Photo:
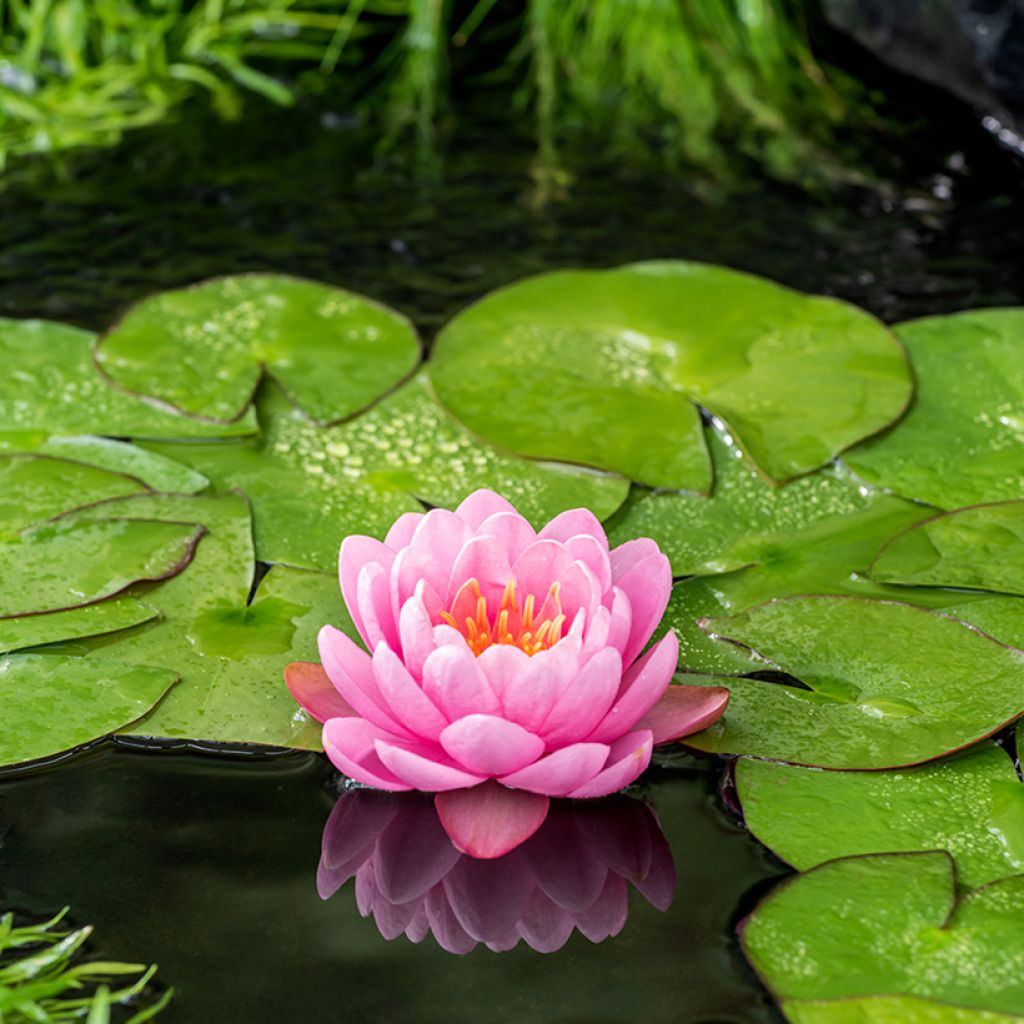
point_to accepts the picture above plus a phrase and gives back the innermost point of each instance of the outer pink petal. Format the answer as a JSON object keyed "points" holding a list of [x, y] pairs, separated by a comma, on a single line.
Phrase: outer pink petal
{"points": [[574, 522], [595, 636], [311, 687], [628, 758], [621, 621], [648, 584], [625, 556], [579, 590], [541, 564], [454, 681], [488, 745], [594, 555], [481, 504], [417, 633], [351, 671], [402, 530], [373, 594], [357, 551], [405, 698], [511, 529], [441, 535], [642, 687], [562, 772], [489, 820], [349, 743], [683, 710], [420, 768], [485, 560], [585, 701]]}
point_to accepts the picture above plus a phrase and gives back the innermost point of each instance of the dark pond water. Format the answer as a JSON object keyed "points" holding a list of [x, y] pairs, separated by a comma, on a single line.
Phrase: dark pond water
{"points": [[207, 865]]}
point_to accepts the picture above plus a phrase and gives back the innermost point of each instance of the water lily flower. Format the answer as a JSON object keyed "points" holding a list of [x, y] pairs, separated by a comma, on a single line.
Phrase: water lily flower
{"points": [[572, 874], [495, 652]]}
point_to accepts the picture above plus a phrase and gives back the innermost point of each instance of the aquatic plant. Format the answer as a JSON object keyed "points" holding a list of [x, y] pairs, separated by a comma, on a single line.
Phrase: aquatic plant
{"points": [[691, 83], [43, 979]]}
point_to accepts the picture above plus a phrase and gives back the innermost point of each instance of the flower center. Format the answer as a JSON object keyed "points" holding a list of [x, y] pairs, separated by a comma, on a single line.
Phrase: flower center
{"points": [[523, 627]]}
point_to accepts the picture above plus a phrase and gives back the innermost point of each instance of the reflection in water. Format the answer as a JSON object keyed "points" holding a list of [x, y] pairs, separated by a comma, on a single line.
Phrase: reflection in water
{"points": [[573, 873]]}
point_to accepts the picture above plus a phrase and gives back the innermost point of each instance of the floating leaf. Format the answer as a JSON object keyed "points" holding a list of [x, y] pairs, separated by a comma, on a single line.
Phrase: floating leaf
{"points": [[888, 1010], [891, 924], [38, 487], [49, 704], [961, 442], [91, 620], [887, 685], [544, 366], [981, 822], [78, 560], [745, 521], [203, 349], [156, 471], [977, 548], [50, 386], [312, 486]]}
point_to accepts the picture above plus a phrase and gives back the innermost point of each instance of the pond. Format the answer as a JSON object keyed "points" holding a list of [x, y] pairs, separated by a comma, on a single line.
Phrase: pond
{"points": [[205, 861]]}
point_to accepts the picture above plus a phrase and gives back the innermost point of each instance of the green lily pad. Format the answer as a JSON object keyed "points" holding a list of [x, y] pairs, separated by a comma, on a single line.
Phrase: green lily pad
{"points": [[891, 924], [745, 521], [977, 548], [203, 349], [980, 824], [82, 559], [229, 653], [156, 471], [311, 486], [38, 487], [961, 442], [888, 1010], [887, 685], [50, 704], [92, 620], [51, 386], [544, 366]]}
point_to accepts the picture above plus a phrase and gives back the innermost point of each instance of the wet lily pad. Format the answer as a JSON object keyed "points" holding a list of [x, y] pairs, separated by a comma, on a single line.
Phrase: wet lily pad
{"points": [[977, 548], [746, 520], [84, 558], [51, 386], [891, 924], [888, 1010], [544, 366], [962, 442], [49, 704], [884, 685], [203, 349], [92, 620], [311, 486], [971, 806]]}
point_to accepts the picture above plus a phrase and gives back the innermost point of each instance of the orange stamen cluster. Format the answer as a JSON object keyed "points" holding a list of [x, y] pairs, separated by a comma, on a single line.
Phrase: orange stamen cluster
{"points": [[523, 627]]}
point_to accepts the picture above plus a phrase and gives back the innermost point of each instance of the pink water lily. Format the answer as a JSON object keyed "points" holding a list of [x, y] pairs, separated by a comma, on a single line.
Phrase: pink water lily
{"points": [[500, 653]]}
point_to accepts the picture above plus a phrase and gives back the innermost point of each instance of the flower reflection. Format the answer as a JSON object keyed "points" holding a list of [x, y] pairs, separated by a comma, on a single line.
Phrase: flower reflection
{"points": [[574, 872]]}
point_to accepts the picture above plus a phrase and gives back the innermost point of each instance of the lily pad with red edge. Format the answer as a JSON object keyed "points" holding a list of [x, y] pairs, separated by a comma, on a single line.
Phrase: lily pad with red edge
{"points": [[975, 548], [202, 350], [109, 616], [980, 824], [888, 1010], [50, 703], [876, 684], [796, 378], [891, 924]]}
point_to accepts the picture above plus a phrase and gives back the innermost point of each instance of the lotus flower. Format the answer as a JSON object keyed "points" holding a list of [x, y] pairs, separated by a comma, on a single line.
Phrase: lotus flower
{"points": [[500, 653], [572, 874]]}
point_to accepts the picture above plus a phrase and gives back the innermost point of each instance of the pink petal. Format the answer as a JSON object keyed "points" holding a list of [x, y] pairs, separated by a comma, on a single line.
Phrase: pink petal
{"points": [[574, 522], [544, 562], [585, 701], [441, 535], [402, 530], [509, 528], [405, 699], [595, 636], [351, 671], [642, 687], [621, 621], [501, 663], [349, 743], [545, 926], [529, 695], [480, 505], [489, 820], [310, 686], [356, 552], [489, 745], [628, 758], [579, 590], [625, 556], [413, 853], [373, 595], [416, 630], [454, 681], [594, 555], [420, 768], [561, 772], [482, 559], [414, 569], [648, 585], [607, 916], [683, 710]]}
